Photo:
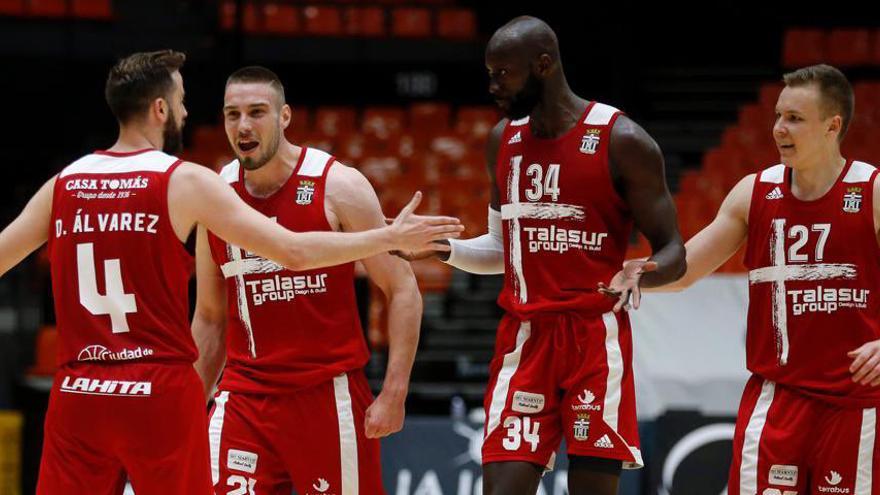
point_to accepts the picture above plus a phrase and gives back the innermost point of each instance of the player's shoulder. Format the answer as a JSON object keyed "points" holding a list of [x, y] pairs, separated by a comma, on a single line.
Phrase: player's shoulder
{"points": [[859, 171], [602, 114], [112, 162], [345, 179], [230, 172], [774, 174]]}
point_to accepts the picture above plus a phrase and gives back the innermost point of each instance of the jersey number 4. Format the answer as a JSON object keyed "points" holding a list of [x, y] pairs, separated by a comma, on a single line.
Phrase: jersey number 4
{"points": [[115, 302]]}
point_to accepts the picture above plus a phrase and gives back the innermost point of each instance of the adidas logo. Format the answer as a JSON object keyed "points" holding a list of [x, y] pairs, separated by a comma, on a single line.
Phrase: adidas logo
{"points": [[776, 193], [604, 443], [517, 138]]}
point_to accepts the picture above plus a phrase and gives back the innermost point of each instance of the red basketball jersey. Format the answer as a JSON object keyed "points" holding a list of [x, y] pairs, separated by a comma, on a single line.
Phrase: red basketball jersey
{"points": [[119, 272], [814, 270], [565, 227], [288, 330]]}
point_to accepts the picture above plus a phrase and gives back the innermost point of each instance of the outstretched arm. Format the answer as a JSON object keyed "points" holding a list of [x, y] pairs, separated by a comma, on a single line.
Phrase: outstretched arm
{"points": [[29, 230], [718, 241], [198, 195], [638, 171]]}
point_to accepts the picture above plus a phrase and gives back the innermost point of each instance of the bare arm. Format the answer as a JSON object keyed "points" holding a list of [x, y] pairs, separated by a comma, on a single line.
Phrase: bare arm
{"points": [[492, 145], [637, 166], [29, 230], [866, 358], [209, 319], [354, 201], [198, 195], [719, 240]]}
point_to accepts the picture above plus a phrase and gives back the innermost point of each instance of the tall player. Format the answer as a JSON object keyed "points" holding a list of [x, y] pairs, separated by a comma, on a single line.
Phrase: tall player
{"points": [[126, 400], [294, 410], [808, 418], [569, 178]]}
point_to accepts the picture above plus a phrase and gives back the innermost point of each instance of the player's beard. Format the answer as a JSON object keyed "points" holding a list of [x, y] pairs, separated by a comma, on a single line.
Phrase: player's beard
{"points": [[522, 103], [269, 149], [172, 135]]}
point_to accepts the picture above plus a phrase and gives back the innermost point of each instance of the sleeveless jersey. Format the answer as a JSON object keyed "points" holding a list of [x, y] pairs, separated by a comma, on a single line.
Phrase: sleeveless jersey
{"points": [[119, 272], [814, 270], [288, 330], [565, 227]]}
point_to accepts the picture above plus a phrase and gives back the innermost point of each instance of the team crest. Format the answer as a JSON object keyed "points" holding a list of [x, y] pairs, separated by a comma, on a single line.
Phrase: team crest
{"points": [[590, 141], [582, 427], [852, 200], [304, 192]]}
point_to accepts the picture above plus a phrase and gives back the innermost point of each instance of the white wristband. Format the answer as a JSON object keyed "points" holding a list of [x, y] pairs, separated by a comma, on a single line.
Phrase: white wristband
{"points": [[483, 255]]}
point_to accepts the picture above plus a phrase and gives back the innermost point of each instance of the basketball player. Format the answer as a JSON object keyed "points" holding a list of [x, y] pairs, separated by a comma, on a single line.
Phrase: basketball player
{"points": [[294, 410], [807, 422], [569, 178], [126, 400]]}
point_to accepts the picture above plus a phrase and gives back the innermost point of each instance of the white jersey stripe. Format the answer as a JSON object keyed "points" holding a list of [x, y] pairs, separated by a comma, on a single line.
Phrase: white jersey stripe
{"points": [[215, 434], [864, 467], [542, 211], [502, 386], [314, 162], [859, 172], [348, 451], [149, 161], [773, 175], [748, 469], [610, 410], [600, 114], [249, 266], [819, 271], [229, 172], [519, 282], [244, 312]]}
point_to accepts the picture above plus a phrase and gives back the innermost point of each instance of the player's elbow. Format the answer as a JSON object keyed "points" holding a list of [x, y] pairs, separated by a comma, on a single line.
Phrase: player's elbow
{"points": [[680, 266], [295, 258], [405, 293]]}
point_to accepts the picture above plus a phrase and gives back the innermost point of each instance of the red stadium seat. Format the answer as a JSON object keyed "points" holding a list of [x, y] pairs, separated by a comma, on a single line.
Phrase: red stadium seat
{"points": [[867, 94], [279, 18], [382, 122], [251, 19], [323, 21], [803, 47], [300, 122], [875, 47], [92, 9], [226, 15], [411, 22], [429, 118], [334, 121], [849, 47], [12, 7], [769, 94], [476, 123], [365, 21], [755, 115], [47, 8], [460, 24]]}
